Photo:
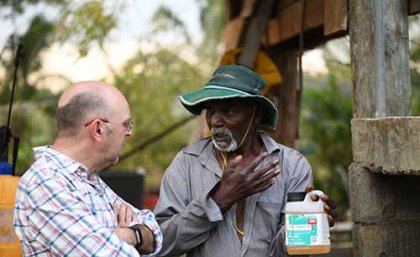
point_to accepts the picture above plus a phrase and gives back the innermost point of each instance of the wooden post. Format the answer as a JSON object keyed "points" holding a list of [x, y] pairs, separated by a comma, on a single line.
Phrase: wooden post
{"points": [[379, 53], [253, 32], [385, 209], [285, 97]]}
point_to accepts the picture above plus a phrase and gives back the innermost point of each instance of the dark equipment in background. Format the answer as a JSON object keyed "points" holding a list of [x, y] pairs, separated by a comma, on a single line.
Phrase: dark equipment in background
{"points": [[127, 184], [5, 133]]}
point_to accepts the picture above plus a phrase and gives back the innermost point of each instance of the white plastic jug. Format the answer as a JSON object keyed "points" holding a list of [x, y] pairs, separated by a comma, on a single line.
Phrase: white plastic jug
{"points": [[307, 228]]}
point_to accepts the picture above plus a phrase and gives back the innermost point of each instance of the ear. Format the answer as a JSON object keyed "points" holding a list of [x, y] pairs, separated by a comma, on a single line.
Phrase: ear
{"points": [[97, 130]]}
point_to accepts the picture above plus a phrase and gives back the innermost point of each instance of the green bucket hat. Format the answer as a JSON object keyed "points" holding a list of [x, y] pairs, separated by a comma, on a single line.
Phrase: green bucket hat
{"points": [[232, 81]]}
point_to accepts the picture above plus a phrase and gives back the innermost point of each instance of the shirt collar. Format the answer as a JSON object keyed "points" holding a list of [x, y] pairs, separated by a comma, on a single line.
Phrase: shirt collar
{"points": [[61, 160], [270, 144]]}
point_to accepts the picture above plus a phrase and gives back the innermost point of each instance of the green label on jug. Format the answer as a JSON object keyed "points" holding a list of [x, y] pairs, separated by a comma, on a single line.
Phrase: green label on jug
{"points": [[306, 230]]}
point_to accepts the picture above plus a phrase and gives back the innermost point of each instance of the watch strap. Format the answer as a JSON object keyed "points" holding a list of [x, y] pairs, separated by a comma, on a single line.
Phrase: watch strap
{"points": [[139, 238]]}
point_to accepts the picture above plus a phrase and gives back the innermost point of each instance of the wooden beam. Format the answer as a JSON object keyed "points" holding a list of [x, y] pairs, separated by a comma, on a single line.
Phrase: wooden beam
{"points": [[227, 11], [233, 8], [232, 33], [335, 19], [413, 6], [287, 25], [253, 32], [284, 4], [247, 8]]}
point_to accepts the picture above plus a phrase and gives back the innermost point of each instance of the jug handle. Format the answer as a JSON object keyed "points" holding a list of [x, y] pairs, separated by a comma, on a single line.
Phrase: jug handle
{"points": [[311, 193]]}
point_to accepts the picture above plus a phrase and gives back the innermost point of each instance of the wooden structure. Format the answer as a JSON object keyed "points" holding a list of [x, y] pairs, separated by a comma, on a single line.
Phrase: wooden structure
{"points": [[385, 209], [283, 29]]}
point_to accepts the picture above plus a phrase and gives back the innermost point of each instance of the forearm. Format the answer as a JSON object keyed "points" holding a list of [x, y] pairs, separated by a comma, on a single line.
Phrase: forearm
{"points": [[147, 238], [150, 230], [189, 228], [126, 235]]}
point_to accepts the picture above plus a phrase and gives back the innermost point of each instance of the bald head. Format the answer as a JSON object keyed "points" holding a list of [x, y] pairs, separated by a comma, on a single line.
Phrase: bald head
{"points": [[101, 89], [85, 100]]}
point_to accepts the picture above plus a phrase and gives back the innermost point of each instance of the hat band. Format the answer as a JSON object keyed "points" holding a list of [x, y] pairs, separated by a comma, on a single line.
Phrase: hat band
{"points": [[230, 89]]}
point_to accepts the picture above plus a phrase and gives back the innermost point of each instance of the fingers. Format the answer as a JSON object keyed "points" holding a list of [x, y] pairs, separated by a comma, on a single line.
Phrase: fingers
{"points": [[263, 186], [239, 181], [116, 209], [265, 170], [309, 188], [231, 166], [124, 215], [258, 180], [236, 161], [331, 220], [254, 163], [128, 215], [328, 201], [329, 206], [264, 179]]}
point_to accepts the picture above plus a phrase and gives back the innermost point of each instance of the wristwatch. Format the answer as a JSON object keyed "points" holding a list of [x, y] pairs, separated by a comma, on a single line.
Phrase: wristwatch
{"points": [[139, 238]]}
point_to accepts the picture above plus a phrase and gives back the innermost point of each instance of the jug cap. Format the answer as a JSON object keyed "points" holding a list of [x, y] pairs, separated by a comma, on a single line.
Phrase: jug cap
{"points": [[296, 196]]}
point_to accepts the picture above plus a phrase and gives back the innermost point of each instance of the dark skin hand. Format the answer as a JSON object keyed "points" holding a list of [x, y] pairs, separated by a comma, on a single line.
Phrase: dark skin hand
{"points": [[329, 206], [238, 183]]}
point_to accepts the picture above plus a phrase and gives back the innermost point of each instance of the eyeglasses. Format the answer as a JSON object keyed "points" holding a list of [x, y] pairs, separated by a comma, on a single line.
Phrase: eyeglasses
{"points": [[127, 125]]}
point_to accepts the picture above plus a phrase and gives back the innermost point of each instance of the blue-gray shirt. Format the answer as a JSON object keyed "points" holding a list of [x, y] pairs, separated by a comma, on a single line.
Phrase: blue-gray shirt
{"points": [[192, 223]]}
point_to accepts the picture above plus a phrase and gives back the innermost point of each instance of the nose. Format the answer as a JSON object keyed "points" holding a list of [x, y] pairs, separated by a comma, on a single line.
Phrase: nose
{"points": [[128, 133], [216, 119]]}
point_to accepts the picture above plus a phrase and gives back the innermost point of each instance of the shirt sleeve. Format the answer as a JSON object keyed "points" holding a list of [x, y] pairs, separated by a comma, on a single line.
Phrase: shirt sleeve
{"points": [[145, 217], [59, 218], [184, 223]]}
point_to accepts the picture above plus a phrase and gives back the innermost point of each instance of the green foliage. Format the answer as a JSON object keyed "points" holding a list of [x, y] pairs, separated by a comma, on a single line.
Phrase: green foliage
{"points": [[151, 83], [326, 135], [211, 18], [34, 126], [35, 40], [34, 108], [165, 20], [18, 6], [415, 67], [85, 24], [158, 79], [415, 82], [31, 110]]}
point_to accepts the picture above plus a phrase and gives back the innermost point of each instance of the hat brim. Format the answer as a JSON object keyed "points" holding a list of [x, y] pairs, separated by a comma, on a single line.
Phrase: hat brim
{"points": [[194, 101]]}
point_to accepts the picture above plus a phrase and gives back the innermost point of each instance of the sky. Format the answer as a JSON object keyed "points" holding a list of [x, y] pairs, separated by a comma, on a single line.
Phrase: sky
{"points": [[134, 24]]}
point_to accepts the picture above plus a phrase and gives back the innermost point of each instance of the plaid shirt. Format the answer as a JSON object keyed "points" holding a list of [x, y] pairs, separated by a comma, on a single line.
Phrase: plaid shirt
{"points": [[62, 210]]}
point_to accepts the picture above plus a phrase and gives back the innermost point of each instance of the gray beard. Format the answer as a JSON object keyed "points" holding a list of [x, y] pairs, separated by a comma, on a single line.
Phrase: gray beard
{"points": [[224, 148]]}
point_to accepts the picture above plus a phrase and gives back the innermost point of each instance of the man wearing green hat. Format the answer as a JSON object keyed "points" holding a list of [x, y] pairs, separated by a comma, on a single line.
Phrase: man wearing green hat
{"points": [[224, 195]]}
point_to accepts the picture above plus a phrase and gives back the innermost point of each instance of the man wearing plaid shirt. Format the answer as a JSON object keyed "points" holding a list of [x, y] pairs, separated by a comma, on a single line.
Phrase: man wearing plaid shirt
{"points": [[63, 208]]}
